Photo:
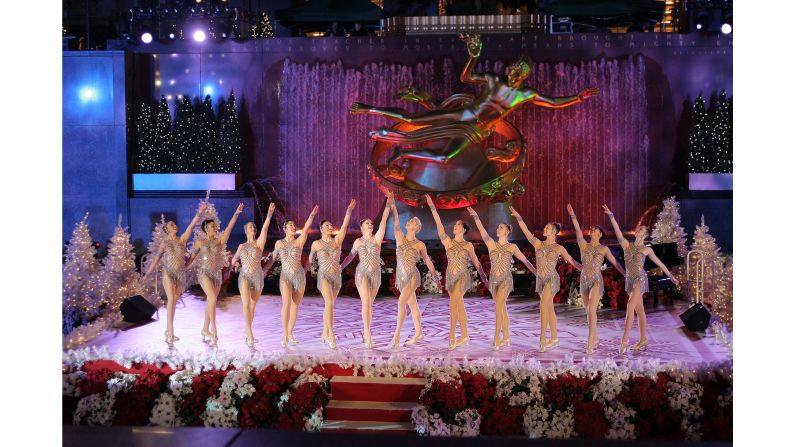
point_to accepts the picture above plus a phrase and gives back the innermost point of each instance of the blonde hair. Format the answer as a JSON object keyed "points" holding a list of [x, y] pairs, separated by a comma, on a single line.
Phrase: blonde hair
{"points": [[419, 222]]}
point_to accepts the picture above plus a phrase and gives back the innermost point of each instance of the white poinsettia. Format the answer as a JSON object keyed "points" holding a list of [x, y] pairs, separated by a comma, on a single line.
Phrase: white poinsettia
{"points": [[536, 421], [467, 423], [620, 418], [95, 409], [164, 412], [181, 382], [121, 381], [314, 421], [562, 425], [70, 385]]}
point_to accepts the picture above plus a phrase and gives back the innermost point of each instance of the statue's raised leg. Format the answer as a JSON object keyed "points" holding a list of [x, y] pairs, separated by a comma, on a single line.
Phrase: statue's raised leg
{"points": [[454, 147]]}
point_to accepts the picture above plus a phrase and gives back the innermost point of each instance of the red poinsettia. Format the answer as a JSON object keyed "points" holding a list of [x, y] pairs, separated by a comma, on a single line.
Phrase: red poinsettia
{"points": [[445, 398], [655, 418], [477, 389], [566, 389], [498, 418], [590, 420], [95, 381], [133, 406], [259, 410], [204, 386], [303, 401]]}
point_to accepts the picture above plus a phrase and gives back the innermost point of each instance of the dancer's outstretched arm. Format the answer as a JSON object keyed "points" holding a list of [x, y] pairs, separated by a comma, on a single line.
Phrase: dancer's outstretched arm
{"points": [[476, 263], [269, 264], [396, 224], [347, 220], [263, 233], [307, 226], [609, 256], [534, 241], [231, 224], [429, 263], [521, 257], [351, 255], [154, 263], [656, 260], [619, 234], [439, 227], [379, 235], [189, 229], [236, 257], [312, 254], [567, 257], [577, 229], [483, 233]]}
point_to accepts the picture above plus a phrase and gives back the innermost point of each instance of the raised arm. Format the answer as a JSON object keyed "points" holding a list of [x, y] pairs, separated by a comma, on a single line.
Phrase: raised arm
{"points": [[483, 233], [474, 45], [307, 225], [231, 224], [379, 235], [429, 263], [577, 229], [562, 101], [439, 227], [347, 220], [189, 229], [567, 257], [263, 233], [351, 255], [611, 259], [659, 263], [619, 234], [527, 233], [476, 263], [396, 224], [522, 258]]}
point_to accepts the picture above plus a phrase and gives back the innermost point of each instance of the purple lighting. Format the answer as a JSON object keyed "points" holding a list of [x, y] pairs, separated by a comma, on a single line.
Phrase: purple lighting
{"points": [[199, 36]]}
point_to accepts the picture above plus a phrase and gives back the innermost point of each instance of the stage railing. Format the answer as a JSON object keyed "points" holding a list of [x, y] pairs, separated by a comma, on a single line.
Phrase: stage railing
{"points": [[696, 292], [493, 24]]}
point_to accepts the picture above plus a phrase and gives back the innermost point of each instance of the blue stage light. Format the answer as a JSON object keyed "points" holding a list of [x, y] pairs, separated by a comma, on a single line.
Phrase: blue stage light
{"points": [[88, 94], [146, 37], [199, 36]]}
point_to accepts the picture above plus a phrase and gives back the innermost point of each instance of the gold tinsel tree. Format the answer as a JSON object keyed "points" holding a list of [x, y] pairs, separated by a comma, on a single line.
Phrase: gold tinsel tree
{"points": [[118, 278]]}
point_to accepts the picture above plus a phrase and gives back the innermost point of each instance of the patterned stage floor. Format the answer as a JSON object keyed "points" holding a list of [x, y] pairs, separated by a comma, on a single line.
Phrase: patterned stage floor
{"points": [[668, 339]]}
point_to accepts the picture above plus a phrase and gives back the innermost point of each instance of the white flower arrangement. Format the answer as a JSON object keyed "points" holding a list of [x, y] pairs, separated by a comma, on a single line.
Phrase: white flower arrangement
{"points": [[164, 413], [69, 383], [686, 397], [314, 421], [429, 284], [620, 418], [95, 409]]}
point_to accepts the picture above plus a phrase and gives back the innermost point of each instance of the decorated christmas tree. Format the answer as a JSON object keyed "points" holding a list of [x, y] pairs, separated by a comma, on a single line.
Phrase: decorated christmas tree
{"points": [[701, 154], [147, 152], [162, 139], [183, 143], [205, 151], [119, 279], [722, 134], [229, 143], [80, 269], [723, 303], [667, 229], [263, 27], [708, 251], [153, 289]]}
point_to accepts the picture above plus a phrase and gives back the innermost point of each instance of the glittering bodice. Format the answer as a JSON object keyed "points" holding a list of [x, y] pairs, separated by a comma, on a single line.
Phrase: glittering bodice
{"points": [[211, 255], [290, 256], [634, 260], [369, 254], [592, 260], [173, 255], [250, 258], [457, 256], [547, 259], [501, 260], [328, 256]]}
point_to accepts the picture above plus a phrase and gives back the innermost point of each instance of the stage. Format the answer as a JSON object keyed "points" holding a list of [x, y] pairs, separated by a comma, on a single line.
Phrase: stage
{"points": [[668, 339]]}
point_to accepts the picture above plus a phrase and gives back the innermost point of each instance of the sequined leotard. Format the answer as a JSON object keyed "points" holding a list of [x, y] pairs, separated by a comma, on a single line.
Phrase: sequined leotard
{"points": [[328, 259], [292, 272], [546, 260], [250, 267], [408, 253], [369, 263], [457, 265], [174, 263], [634, 260], [591, 274], [500, 275], [211, 260]]}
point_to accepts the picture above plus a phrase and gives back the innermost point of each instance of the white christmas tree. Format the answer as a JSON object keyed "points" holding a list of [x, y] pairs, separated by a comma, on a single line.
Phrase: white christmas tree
{"points": [[80, 272], [708, 251], [667, 229], [118, 278], [153, 291]]}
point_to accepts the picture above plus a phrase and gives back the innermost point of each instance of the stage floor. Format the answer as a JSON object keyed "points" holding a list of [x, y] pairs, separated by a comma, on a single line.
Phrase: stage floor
{"points": [[668, 339]]}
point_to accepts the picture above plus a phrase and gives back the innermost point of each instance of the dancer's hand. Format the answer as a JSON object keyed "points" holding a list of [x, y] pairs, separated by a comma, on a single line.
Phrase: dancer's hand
{"points": [[515, 213], [430, 201], [472, 212], [570, 209], [271, 209], [588, 93], [486, 283], [239, 208], [351, 206], [314, 211], [675, 281], [202, 208], [607, 210]]}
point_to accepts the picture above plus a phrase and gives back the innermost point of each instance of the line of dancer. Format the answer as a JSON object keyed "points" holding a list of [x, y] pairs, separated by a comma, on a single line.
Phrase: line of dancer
{"points": [[460, 255]]}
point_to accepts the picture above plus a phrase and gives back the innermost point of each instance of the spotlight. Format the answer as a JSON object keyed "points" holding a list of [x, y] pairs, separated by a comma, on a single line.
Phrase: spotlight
{"points": [[702, 21], [223, 35], [146, 37], [88, 94], [699, 26], [726, 27], [199, 36], [170, 35]]}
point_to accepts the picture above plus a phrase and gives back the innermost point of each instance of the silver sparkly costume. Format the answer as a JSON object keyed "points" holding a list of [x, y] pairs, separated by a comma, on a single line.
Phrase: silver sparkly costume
{"points": [[292, 272], [500, 276], [251, 275], [211, 260], [457, 265], [634, 260], [174, 263], [591, 274], [369, 263], [408, 253], [328, 259], [546, 260]]}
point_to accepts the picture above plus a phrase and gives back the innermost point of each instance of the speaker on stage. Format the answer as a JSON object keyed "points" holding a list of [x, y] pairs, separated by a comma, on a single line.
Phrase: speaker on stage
{"points": [[136, 309], [696, 318]]}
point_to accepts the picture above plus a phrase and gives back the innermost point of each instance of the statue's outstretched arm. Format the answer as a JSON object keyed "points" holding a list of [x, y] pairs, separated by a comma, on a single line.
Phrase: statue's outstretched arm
{"points": [[562, 101], [474, 45]]}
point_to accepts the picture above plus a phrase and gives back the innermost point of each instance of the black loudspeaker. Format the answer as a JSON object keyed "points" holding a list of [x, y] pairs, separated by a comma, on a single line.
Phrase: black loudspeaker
{"points": [[136, 309], [696, 318]]}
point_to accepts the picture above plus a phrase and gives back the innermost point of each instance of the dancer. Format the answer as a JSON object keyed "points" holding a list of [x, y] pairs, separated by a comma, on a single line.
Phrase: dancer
{"points": [[251, 278], [172, 252], [637, 282], [501, 254], [547, 278], [329, 272], [211, 252], [407, 277], [457, 274], [368, 272], [292, 278], [592, 285]]}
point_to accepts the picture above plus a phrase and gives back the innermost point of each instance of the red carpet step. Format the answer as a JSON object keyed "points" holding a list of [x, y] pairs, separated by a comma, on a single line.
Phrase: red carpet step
{"points": [[380, 404]]}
